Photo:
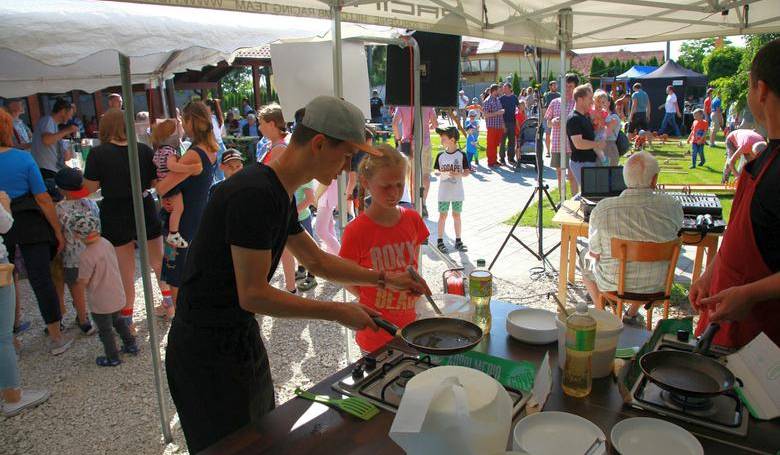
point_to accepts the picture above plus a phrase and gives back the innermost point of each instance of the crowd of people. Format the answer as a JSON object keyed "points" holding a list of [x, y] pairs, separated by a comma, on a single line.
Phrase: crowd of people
{"points": [[225, 221]]}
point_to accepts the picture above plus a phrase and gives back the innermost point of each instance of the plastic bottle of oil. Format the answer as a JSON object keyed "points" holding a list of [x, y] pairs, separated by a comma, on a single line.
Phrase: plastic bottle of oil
{"points": [[480, 292], [580, 341]]}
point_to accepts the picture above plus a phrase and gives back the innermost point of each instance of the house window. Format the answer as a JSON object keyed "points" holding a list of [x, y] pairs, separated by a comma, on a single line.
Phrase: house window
{"points": [[478, 66]]}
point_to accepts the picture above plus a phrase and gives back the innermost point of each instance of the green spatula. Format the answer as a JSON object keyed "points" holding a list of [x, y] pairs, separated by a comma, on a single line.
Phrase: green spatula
{"points": [[358, 407]]}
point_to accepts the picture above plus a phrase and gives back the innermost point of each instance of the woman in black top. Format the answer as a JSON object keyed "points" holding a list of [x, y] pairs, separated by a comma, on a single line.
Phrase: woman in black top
{"points": [[196, 120], [108, 168]]}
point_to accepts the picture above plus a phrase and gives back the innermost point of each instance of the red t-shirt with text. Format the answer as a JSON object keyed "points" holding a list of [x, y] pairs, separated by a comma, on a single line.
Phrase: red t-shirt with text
{"points": [[389, 249]]}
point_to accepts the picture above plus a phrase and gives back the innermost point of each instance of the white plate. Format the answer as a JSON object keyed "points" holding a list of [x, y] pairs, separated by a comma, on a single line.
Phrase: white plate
{"points": [[555, 432], [532, 325], [648, 436]]}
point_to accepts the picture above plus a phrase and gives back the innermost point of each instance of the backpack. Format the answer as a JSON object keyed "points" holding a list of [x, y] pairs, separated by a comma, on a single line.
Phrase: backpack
{"points": [[622, 143]]}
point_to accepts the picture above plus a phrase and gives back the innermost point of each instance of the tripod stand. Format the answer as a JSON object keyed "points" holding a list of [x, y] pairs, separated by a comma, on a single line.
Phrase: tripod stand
{"points": [[540, 191]]}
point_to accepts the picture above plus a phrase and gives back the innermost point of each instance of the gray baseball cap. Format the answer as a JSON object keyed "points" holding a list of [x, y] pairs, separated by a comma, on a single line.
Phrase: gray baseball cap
{"points": [[338, 119]]}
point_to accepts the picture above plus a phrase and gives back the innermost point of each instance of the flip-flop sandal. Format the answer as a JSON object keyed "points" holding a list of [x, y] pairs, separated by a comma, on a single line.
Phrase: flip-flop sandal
{"points": [[104, 361]]}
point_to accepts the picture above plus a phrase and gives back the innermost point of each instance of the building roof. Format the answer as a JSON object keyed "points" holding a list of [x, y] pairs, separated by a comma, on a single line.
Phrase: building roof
{"points": [[259, 52], [582, 62]]}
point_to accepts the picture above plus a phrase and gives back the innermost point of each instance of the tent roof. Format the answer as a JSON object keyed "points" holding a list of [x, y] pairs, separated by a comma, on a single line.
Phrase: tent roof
{"points": [[596, 22], [672, 70], [636, 71], [160, 41]]}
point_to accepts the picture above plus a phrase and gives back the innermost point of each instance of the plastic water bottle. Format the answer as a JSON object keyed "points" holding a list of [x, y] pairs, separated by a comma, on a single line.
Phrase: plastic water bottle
{"points": [[480, 292], [580, 342]]}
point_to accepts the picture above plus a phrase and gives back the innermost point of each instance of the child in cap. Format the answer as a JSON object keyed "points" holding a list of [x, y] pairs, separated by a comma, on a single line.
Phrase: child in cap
{"points": [[167, 152], [231, 162], [471, 125], [451, 165], [385, 237], [70, 182], [99, 273]]}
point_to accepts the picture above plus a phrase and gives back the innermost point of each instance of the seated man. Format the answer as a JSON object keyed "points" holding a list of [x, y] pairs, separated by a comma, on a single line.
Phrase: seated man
{"points": [[641, 214]]}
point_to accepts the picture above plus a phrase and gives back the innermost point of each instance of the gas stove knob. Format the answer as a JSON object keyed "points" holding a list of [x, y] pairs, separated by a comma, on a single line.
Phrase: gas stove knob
{"points": [[357, 373], [370, 363]]}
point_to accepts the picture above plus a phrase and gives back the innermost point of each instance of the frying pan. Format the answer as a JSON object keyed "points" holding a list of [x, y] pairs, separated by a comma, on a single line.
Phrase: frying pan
{"points": [[440, 336], [689, 373]]}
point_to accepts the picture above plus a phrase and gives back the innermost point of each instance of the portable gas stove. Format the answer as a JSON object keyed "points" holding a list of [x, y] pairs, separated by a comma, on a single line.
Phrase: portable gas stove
{"points": [[724, 412], [382, 379]]}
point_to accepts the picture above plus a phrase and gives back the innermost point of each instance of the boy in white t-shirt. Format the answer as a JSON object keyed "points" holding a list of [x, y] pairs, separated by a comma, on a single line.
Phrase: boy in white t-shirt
{"points": [[451, 166], [99, 273]]}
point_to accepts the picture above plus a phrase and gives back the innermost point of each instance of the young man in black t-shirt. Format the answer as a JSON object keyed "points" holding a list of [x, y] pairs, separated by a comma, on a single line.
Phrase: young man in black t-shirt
{"points": [[579, 129], [376, 107], [217, 367]]}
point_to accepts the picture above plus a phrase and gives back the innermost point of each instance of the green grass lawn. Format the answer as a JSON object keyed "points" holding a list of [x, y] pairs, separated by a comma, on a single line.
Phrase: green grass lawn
{"points": [[675, 160]]}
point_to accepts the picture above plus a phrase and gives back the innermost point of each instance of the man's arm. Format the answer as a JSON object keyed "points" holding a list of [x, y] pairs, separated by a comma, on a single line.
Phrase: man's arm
{"points": [[334, 268], [584, 144], [256, 295], [736, 302], [51, 138]]}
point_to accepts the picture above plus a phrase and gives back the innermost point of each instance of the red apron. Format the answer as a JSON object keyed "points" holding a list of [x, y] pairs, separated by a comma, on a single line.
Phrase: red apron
{"points": [[739, 262]]}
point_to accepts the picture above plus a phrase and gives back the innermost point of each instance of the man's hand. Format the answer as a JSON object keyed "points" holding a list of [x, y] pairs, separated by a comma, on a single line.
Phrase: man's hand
{"points": [[556, 121], [356, 316], [601, 145], [403, 281], [60, 241], [700, 290], [731, 304], [72, 129]]}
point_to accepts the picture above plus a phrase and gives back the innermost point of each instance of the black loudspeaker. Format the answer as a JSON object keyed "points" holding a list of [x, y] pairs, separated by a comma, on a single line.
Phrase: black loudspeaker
{"points": [[439, 71]]}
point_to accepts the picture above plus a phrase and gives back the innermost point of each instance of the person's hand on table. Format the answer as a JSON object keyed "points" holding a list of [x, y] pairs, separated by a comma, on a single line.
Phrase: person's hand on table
{"points": [[731, 304], [404, 281], [72, 129], [356, 316]]}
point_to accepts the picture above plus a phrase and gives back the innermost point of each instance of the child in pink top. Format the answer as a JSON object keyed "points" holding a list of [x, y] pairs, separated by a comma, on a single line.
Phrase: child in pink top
{"points": [[385, 237]]}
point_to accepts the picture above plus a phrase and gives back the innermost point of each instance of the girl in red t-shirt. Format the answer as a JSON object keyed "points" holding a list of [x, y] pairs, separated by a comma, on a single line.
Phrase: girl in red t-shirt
{"points": [[384, 237]]}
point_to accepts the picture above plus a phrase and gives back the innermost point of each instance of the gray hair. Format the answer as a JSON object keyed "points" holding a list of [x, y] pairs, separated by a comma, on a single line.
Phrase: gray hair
{"points": [[639, 170], [251, 117]]}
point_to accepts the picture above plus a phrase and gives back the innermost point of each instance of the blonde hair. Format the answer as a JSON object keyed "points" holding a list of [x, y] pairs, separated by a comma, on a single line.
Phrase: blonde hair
{"points": [[112, 126], [390, 158], [699, 111], [165, 133], [273, 113], [600, 95]]}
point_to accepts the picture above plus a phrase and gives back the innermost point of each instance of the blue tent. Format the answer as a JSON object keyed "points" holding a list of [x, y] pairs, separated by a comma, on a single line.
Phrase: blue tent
{"points": [[635, 72]]}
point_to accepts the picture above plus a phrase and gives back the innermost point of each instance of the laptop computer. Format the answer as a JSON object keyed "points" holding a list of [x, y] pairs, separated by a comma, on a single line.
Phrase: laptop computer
{"points": [[598, 183]]}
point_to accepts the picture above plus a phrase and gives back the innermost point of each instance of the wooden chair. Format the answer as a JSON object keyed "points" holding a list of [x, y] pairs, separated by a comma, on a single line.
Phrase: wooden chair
{"points": [[626, 251]]}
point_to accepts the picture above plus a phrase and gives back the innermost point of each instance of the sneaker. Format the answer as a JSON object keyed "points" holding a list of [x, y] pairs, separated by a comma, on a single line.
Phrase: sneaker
{"points": [[691, 167], [175, 240], [502, 161], [104, 361], [22, 327], [59, 346], [86, 328], [307, 284], [636, 320], [30, 399], [300, 275], [130, 349], [442, 247], [461, 247]]}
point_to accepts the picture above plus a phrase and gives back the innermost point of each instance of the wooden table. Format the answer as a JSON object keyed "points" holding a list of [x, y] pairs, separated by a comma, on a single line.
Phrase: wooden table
{"points": [[302, 427], [573, 225]]}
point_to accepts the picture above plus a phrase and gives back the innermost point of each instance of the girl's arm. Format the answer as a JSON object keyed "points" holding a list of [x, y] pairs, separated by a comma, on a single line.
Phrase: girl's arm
{"points": [[307, 201]]}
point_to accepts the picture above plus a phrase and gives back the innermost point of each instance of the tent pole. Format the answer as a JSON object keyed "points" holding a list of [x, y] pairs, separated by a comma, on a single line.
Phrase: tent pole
{"points": [[564, 30], [161, 88], [140, 229], [341, 180]]}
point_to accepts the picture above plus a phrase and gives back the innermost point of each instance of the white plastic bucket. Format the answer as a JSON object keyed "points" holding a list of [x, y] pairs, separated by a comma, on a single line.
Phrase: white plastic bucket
{"points": [[608, 329]]}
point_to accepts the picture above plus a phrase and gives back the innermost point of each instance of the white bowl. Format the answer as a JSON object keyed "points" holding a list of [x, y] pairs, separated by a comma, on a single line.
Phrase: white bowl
{"points": [[553, 432], [648, 436], [532, 325]]}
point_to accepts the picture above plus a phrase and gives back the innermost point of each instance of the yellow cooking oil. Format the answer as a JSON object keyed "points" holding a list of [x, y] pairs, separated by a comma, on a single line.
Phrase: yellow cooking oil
{"points": [[580, 342], [480, 292]]}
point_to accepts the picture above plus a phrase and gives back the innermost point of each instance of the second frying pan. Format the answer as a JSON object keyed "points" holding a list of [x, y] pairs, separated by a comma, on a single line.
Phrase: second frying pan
{"points": [[440, 336]]}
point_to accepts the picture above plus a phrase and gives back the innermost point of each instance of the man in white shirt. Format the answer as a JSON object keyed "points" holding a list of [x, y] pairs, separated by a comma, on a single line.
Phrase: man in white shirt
{"points": [[22, 133], [463, 101], [672, 112], [639, 213]]}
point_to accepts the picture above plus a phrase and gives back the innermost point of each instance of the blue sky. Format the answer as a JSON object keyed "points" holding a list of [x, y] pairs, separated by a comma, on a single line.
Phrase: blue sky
{"points": [[738, 40]]}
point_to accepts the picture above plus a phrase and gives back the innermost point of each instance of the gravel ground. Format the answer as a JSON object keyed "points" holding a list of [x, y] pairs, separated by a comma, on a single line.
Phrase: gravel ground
{"points": [[114, 410]]}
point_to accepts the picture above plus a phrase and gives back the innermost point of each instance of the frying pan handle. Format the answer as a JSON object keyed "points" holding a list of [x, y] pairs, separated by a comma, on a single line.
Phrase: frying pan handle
{"points": [[703, 346], [388, 326]]}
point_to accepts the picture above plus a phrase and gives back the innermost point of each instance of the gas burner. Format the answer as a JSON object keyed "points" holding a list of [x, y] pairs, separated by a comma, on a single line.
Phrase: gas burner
{"points": [[686, 402], [399, 385]]}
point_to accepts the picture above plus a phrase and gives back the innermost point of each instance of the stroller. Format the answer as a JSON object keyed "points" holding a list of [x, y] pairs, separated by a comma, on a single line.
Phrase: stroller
{"points": [[526, 142]]}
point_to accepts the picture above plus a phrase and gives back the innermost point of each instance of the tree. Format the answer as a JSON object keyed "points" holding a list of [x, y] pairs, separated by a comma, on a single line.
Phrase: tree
{"points": [[597, 67], [652, 62], [516, 83], [377, 58], [722, 62], [735, 87], [692, 53]]}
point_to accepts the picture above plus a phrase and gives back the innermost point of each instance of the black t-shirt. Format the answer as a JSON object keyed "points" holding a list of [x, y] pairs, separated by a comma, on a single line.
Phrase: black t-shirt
{"points": [[376, 106], [579, 124], [252, 210], [509, 103], [109, 164], [765, 206]]}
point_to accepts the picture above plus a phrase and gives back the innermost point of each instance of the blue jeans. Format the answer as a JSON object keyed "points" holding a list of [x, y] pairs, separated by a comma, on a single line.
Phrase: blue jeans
{"points": [[218, 174], [576, 169], [9, 371], [697, 149], [670, 119]]}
